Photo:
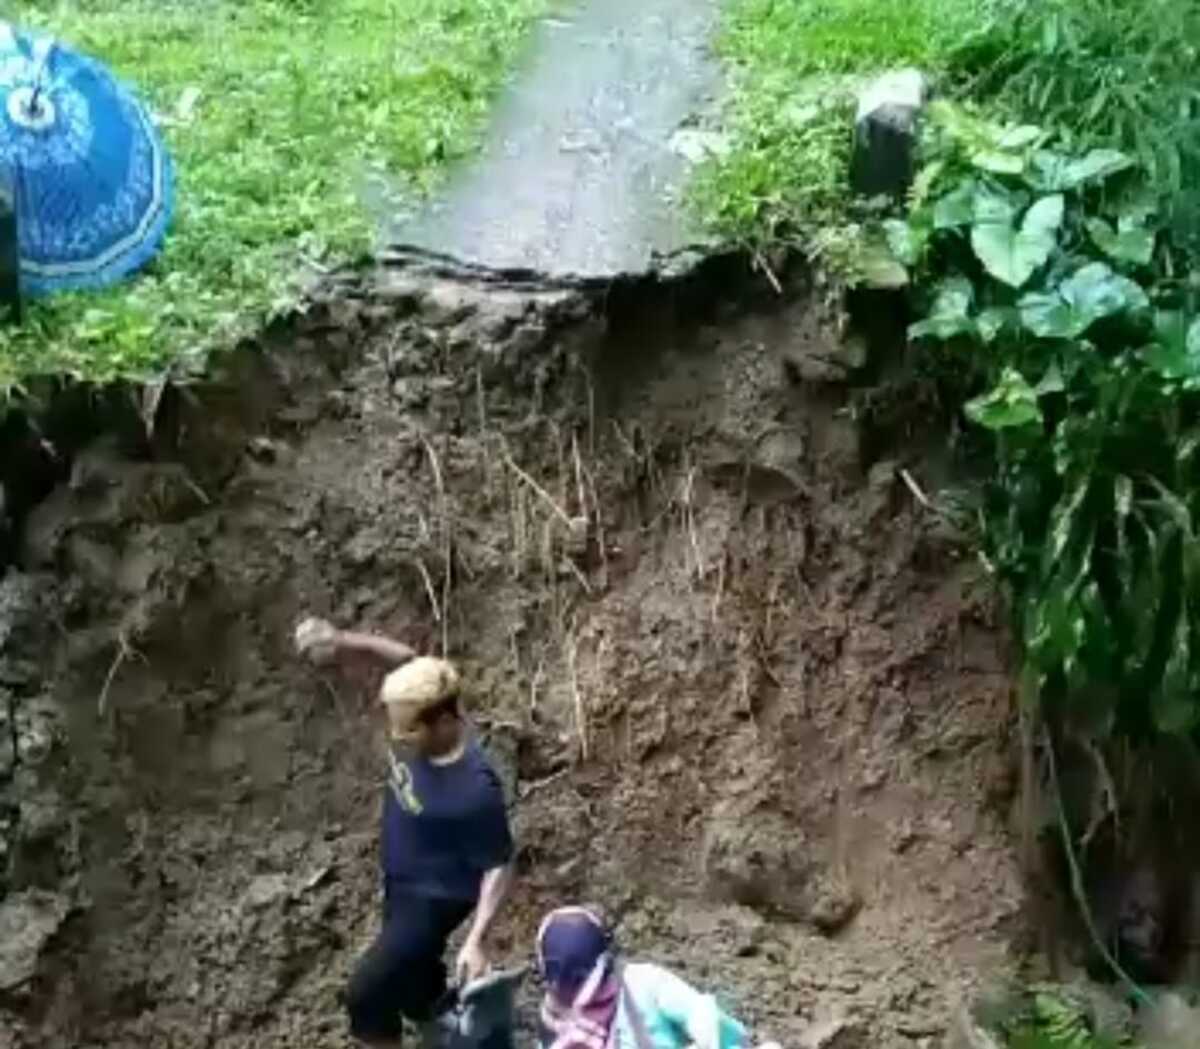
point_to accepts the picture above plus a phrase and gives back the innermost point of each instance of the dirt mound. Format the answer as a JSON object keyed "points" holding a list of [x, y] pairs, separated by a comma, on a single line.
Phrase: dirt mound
{"points": [[749, 695]]}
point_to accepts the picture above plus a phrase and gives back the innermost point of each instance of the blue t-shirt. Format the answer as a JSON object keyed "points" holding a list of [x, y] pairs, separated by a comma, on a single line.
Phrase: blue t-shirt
{"points": [[444, 826]]}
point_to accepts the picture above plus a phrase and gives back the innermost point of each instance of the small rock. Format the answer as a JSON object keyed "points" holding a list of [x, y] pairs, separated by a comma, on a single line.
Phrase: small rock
{"points": [[758, 859], [37, 732], [834, 1031], [834, 905], [398, 289], [447, 302], [902, 837], [28, 920], [1170, 1023], [873, 777], [264, 449], [410, 393], [885, 131], [265, 890], [882, 476]]}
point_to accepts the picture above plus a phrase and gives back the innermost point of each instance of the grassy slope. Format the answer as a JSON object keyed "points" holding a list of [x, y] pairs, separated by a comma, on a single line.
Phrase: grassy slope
{"points": [[297, 100], [789, 109]]}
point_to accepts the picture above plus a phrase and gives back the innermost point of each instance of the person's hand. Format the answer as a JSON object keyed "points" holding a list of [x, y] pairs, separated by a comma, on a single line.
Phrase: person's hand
{"points": [[316, 639], [472, 963]]}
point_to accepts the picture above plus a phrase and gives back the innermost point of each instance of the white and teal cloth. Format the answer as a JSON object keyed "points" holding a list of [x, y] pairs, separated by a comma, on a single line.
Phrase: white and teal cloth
{"points": [[658, 1010]]}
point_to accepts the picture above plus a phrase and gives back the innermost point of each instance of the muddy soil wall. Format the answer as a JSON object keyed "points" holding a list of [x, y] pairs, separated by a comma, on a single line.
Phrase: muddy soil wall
{"points": [[748, 693]]}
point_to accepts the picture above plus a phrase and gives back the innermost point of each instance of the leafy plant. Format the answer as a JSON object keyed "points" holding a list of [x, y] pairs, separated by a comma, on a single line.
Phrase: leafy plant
{"points": [[1052, 1021], [795, 65], [1058, 287], [1116, 72]]}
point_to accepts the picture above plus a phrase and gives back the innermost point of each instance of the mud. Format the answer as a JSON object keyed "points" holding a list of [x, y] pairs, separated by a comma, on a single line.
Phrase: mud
{"points": [[749, 694]]}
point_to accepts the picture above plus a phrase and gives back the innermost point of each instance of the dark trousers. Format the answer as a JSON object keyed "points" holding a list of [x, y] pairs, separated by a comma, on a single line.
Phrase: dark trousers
{"points": [[403, 974]]}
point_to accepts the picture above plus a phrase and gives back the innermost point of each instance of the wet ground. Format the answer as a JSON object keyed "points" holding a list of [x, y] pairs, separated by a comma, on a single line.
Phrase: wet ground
{"points": [[579, 176], [760, 713]]}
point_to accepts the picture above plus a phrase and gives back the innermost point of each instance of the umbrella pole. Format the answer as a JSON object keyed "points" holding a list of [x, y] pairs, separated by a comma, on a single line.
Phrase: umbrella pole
{"points": [[10, 257]]}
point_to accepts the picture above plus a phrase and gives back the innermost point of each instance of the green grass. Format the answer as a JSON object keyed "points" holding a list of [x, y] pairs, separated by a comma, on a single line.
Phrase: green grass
{"points": [[1118, 73], [299, 99], [790, 108]]}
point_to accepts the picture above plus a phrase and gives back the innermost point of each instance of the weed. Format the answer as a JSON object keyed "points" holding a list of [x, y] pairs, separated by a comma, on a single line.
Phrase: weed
{"points": [[276, 112], [1110, 72], [1051, 1020], [795, 65]]}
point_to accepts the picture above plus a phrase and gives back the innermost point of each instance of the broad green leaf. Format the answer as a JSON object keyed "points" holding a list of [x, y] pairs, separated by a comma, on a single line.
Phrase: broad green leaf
{"points": [[956, 208], [990, 147], [990, 204], [1049, 317], [1056, 172], [1128, 243], [1013, 255], [950, 313], [1011, 403], [1004, 150], [1097, 291], [1175, 353], [1088, 295], [1020, 137], [1052, 381], [1054, 631], [992, 321], [906, 240], [951, 118], [999, 161]]}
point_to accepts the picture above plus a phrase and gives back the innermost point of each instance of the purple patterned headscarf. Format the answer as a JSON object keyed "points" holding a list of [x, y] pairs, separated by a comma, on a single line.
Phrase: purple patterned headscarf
{"points": [[583, 992]]}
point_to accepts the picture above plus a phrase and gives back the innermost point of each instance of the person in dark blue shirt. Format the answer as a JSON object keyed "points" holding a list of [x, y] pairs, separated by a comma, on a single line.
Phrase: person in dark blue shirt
{"points": [[446, 844]]}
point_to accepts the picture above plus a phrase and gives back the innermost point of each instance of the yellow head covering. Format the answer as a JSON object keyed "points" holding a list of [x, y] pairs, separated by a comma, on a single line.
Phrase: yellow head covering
{"points": [[415, 688]]}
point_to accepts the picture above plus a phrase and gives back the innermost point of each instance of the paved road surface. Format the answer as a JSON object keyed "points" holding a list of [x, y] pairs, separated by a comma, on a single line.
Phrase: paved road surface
{"points": [[579, 177]]}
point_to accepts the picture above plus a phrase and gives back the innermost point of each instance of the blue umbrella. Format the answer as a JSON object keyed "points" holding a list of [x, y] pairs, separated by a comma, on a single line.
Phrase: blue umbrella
{"points": [[93, 179]]}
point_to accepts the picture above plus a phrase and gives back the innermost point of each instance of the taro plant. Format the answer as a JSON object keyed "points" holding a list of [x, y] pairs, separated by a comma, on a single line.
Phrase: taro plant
{"points": [[1068, 316]]}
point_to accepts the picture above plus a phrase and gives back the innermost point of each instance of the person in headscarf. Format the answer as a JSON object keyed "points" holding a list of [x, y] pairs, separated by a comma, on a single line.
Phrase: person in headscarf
{"points": [[447, 848], [594, 1000]]}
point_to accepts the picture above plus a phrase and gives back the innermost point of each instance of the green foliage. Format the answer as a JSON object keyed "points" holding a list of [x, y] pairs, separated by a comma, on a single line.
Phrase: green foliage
{"points": [[1114, 72], [276, 111], [1060, 292], [795, 65], [1052, 1021], [1010, 252]]}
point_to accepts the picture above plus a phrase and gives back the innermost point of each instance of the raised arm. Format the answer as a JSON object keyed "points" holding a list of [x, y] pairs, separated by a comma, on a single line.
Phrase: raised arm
{"points": [[385, 649], [321, 641]]}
